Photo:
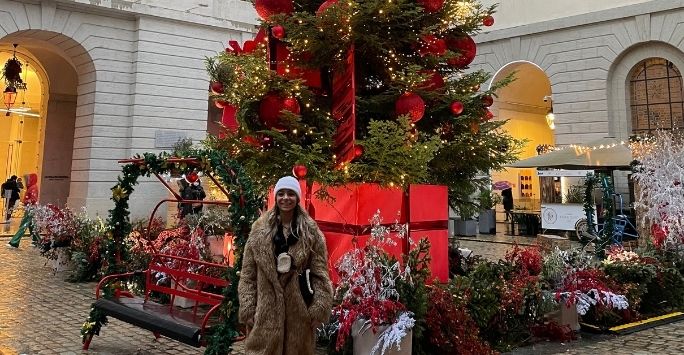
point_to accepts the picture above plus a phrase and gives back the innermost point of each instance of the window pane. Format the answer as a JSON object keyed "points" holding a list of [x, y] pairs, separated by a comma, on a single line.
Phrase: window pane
{"points": [[656, 96], [676, 89], [656, 70]]}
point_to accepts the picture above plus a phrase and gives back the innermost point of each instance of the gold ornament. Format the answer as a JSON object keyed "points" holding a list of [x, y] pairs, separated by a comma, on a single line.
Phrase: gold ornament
{"points": [[118, 193]]}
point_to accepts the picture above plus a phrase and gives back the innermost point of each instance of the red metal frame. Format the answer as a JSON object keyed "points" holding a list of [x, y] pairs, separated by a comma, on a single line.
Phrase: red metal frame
{"points": [[157, 265], [197, 294]]}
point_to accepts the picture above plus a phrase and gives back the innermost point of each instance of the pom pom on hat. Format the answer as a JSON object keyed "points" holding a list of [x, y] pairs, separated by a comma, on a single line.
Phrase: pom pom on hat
{"points": [[288, 182]]}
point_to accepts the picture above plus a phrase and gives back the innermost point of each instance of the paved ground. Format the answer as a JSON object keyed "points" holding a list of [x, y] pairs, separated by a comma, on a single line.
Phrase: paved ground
{"points": [[42, 314]]}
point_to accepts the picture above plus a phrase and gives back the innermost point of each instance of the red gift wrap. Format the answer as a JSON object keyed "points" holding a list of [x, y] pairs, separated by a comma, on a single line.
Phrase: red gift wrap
{"points": [[346, 220]]}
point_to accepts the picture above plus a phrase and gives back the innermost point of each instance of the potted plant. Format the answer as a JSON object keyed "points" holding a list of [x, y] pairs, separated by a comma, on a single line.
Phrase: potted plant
{"points": [[57, 226], [466, 225], [487, 216], [213, 221], [371, 311]]}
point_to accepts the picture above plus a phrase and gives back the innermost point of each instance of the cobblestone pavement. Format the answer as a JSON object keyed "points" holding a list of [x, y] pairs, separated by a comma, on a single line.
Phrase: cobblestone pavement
{"points": [[40, 313]]}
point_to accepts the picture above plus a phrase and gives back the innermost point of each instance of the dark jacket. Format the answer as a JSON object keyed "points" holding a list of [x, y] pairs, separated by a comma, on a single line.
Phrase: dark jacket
{"points": [[507, 199], [11, 185]]}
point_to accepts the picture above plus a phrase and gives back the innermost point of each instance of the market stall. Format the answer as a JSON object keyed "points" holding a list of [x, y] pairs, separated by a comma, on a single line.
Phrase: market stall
{"points": [[574, 161]]}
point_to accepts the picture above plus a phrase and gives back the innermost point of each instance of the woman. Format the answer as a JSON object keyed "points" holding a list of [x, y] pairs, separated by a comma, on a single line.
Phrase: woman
{"points": [[283, 244], [30, 199]]}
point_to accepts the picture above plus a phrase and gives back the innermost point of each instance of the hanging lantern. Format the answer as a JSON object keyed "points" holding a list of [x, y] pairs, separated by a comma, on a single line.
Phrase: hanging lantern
{"points": [[10, 97]]}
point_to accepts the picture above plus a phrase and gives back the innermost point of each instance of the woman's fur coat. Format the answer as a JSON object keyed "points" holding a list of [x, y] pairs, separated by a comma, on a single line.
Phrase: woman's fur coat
{"points": [[273, 301]]}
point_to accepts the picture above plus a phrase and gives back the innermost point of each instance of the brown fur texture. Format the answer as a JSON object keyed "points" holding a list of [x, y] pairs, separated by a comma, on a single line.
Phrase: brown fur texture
{"points": [[273, 301]]}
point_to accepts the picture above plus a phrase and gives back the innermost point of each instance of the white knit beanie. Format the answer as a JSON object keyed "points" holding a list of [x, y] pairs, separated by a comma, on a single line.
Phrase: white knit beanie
{"points": [[288, 182]]}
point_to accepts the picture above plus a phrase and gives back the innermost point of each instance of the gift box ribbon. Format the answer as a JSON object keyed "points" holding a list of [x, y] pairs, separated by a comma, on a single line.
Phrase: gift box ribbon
{"points": [[356, 230]]}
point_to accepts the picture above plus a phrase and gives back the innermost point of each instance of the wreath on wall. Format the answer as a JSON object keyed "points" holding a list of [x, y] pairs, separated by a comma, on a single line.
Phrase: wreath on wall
{"points": [[243, 210]]}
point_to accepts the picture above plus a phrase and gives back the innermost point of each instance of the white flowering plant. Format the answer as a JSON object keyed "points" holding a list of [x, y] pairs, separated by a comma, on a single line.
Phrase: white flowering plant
{"points": [[659, 176], [368, 290]]}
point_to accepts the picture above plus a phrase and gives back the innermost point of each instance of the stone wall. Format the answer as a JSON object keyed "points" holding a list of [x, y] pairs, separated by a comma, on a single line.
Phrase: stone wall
{"points": [[140, 70]]}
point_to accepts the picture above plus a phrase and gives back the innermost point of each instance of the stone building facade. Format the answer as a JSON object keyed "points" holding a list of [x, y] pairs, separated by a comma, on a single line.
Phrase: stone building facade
{"points": [[116, 78], [595, 63]]}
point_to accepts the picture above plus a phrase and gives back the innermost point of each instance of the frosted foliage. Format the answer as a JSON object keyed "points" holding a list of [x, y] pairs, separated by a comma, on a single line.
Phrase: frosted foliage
{"points": [[362, 268], [659, 177], [393, 335], [584, 301]]}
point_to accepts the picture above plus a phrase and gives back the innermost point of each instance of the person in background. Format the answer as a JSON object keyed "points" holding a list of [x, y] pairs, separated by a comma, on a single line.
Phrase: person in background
{"points": [[11, 186], [30, 200], [507, 199], [192, 191], [284, 290]]}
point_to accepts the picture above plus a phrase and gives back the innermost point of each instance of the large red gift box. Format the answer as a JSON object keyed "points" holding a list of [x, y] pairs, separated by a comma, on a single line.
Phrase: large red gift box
{"points": [[345, 219]]}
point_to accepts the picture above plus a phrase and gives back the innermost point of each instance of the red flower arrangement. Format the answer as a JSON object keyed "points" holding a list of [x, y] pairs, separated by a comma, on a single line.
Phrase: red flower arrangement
{"points": [[527, 260], [450, 327]]}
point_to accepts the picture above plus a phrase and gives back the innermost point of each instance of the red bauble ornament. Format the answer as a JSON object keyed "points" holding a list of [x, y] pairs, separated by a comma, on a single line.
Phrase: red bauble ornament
{"points": [[488, 115], [221, 104], [431, 45], [467, 49], [456, 108], [431, 6], [358, 151], [299, 171], [487, 100], [488, 20], [278, 31], [268, 8], [192, 177], [216, 87], [324, 6], [410, 104], [271, 106], [434, 81], [291, 104]]}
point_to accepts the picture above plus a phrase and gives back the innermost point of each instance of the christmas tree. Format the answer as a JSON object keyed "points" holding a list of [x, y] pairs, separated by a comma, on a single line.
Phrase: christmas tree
{"points": [[362, 91]]}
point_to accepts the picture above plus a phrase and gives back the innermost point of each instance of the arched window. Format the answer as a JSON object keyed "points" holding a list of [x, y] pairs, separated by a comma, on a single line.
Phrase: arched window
{"points": [[656, 96]]}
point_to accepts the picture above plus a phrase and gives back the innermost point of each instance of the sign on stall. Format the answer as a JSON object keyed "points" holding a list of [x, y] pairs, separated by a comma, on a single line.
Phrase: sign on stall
{"points": [[562, 216], [561, 172]]}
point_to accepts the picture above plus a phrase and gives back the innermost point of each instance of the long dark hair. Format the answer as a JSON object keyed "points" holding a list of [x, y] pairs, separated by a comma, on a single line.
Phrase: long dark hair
{"points": [[300, 219]]}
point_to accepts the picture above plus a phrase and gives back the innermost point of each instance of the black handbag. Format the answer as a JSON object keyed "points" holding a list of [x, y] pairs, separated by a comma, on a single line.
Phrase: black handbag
{"points": [[305, 285]]}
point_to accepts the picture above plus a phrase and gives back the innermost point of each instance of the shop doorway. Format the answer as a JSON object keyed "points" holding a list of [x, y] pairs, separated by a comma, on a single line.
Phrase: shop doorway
{"points": [[527, 104]]}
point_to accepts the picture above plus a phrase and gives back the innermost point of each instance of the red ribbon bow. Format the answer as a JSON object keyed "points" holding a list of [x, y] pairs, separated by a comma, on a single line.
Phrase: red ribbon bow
{"points": [[249, 46]]}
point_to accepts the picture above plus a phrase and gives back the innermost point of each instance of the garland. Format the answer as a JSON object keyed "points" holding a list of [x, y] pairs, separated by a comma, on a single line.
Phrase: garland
{"points": [[589, 185], [606, 237], [244, 210]]}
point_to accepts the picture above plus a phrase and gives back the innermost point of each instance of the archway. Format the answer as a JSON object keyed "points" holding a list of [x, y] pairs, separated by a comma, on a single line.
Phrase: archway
{"points": [[528, 105], [58, 97], [21, 126]]}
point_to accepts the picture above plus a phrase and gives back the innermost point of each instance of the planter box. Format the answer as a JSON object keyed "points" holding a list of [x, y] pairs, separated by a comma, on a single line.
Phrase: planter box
{"points": [[63, 261], [565, 315], [181, 302], [487, 222], [466, 228], [215, 243], [365, 340]]}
